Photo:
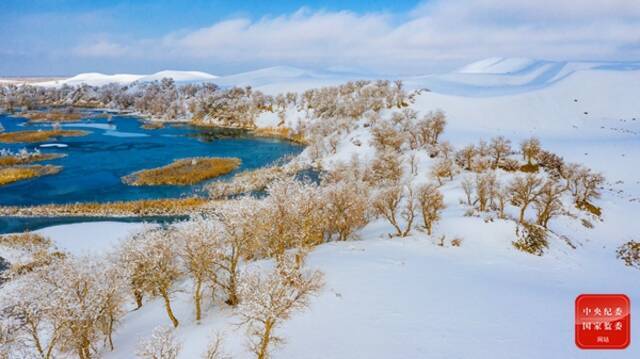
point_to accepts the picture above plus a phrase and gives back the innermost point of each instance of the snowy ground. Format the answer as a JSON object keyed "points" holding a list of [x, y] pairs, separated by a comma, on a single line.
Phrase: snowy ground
{"points": [[410, 298]]}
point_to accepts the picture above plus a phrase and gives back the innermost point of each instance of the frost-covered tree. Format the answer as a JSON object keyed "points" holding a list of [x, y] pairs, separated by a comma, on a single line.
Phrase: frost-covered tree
{"points": [[268, 299], [162, 344], [345, 206], [151, 261], [199, 248]]}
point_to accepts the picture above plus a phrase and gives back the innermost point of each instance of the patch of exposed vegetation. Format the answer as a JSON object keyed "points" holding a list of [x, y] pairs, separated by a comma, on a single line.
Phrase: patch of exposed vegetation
{"points": [[155, 125], [532, 239], [38, 136], [186, 171], [280, 132], [52, 116], [19, 173], [26, 240], [586, 206], [630, 254], [154, 207], [19, 159], [529, 168], [252, 180]]}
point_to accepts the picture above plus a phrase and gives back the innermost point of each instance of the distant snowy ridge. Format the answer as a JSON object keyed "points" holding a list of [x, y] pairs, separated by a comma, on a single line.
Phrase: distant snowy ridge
{"points": [[503, 76], [99, 79], [489, 77]]}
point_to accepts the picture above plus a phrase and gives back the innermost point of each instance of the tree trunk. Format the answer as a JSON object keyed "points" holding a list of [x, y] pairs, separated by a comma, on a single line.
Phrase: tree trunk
{"points": [[137, 294], [522, 210], [167, 305], [197, 297], [266, 338]]}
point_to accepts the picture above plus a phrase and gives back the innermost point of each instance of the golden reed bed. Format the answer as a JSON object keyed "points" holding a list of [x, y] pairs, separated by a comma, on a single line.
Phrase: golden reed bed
{"points": [[154, 207], [184, 171], [19, 173], [38, 136], [31, 158]]}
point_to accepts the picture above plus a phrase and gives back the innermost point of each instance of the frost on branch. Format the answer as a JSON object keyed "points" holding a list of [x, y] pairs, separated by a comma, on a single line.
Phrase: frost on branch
{"points": [[162, 344]]}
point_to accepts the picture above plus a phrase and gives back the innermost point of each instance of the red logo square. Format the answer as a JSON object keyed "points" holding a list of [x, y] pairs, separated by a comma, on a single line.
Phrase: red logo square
{"points": [[603, 321]]}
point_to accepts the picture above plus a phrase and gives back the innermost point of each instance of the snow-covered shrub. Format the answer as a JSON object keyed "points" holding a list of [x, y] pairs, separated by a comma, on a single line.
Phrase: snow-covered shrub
{"points": [[386, 137], [443, 169], [466, 157], [630, 254], [385, 167], [532, 238], [345, 206], [270, 298], [291, 216], [215, 349], [161, 345]]}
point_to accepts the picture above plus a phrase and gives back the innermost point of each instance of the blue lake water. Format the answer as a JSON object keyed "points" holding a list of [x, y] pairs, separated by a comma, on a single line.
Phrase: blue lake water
{"points": [[95, 163]]}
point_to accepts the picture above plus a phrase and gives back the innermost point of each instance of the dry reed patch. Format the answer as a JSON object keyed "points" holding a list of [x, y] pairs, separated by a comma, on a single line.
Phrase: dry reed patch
{"points": [[54, 116], [152, 125], [19, 173], [154, 207], [24, 240], [38, 136], [184, 172], [529, 168], [280, 132], [23, 160]]}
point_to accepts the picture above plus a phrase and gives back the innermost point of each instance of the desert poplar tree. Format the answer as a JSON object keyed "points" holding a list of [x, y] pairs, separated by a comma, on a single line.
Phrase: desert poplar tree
{"points": [[499, 148], [530, 149], [386, 202], [240, 223], [548, 203], [270, 299], [346, 206], [466, 157], [152, 258], [431, 203], [467, 185], [524, 190], [443, 169], [485, 189], [199, 245]]}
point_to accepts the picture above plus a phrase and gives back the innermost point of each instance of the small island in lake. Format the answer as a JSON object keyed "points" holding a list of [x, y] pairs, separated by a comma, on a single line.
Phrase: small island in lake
{"points": [[185, 171], [18, 173], [39, 135]]}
